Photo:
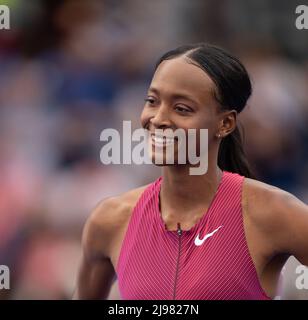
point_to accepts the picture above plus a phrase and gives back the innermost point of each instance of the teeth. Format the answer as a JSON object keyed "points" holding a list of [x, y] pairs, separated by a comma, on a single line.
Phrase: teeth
{"points": [[162, 140]]}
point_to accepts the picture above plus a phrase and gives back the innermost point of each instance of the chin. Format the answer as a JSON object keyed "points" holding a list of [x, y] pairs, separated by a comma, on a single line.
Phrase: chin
{"points": [[162, 161]]}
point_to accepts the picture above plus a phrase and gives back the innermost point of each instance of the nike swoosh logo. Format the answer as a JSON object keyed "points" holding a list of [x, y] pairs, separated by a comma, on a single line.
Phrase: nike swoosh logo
{"points": [[199, 242]]}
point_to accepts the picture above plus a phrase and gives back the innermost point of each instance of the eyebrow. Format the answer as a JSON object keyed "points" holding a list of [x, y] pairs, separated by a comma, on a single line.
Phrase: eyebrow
{"points": [[176, 95]]}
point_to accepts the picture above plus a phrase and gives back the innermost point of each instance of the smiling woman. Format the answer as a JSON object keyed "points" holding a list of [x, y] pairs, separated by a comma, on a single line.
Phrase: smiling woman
{"points": [[220, 235], [205, 88]]}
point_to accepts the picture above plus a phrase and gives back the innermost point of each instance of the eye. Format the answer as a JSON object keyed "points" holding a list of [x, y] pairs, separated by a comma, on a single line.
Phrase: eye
{"points": [[182, 109], [150, 100]]}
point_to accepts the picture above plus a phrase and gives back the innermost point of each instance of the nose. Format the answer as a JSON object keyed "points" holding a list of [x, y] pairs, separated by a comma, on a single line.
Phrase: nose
{"points": [[161, 119]]}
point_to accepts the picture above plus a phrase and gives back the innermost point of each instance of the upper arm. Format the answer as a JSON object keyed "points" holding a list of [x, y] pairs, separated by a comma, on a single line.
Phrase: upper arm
{"points": [[94, 280], [96, 272], [291, 229]]}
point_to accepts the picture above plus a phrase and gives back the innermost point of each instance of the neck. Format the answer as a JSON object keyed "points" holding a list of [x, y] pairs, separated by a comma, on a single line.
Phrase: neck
{"points": [[180, 192]]}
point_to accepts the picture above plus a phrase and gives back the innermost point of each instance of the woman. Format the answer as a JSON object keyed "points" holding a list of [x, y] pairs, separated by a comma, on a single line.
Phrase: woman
{"points": [[219, 235]]}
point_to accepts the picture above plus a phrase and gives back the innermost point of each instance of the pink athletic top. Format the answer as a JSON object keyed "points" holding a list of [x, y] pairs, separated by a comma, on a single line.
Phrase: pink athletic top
{"points": [[210, 261]]}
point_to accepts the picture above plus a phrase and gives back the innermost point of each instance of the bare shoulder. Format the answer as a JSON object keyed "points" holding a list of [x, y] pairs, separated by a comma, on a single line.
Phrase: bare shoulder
{"points": [[273, 211], [107, 219], [266, 200]]}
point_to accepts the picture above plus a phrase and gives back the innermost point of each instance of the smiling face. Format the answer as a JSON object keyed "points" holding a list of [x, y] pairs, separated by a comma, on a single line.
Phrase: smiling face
{"points": [[181, 95]]}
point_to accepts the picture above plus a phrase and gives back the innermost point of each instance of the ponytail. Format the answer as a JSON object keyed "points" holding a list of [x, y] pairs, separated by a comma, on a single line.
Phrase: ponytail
{"points": [[231, 155]]}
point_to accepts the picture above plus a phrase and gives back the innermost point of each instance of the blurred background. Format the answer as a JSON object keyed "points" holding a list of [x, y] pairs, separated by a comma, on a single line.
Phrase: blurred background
{"points": [[71, 68]]}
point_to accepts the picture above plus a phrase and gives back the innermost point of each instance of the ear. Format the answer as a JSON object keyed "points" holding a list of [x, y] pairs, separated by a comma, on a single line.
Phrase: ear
{"points": [[227, 123]]}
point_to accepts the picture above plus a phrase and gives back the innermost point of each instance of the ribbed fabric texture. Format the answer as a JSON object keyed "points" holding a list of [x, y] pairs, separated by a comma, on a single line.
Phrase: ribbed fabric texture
{"points": [[160, 264]]}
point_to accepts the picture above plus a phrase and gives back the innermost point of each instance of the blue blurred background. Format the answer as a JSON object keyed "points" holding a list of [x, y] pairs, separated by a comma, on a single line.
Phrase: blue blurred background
{"points": [[69, 69]]}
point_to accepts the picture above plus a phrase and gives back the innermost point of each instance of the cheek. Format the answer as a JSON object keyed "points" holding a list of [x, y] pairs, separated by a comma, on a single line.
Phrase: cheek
{"points": [[144, 117], [201, 121], [209, 122]]}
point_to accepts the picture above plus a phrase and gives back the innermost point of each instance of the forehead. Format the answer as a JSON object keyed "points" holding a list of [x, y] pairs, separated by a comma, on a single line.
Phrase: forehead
{"points": [[179, 75]]}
